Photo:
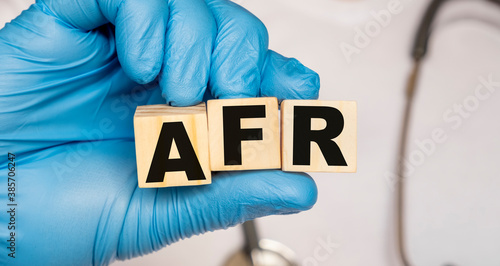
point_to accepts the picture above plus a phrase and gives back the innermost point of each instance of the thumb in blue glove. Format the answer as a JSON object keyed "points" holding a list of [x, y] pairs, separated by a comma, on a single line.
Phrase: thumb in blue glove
{"points": [[70, 76]]}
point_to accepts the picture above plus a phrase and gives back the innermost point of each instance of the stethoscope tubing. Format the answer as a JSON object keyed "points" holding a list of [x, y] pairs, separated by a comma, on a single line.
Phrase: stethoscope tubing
{"points": [[419, 51]]}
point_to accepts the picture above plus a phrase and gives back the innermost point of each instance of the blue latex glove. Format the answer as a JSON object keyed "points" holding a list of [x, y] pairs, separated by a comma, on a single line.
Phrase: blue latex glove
{"points": [[69, 84]]}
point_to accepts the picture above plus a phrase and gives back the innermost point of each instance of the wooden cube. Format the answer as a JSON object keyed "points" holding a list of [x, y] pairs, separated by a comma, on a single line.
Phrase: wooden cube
{"points": [[244, 134], [319, 136], [171, 146]]}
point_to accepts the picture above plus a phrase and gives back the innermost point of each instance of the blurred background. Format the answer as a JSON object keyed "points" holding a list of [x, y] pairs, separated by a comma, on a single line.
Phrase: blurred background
{"points": [[361, 53]]}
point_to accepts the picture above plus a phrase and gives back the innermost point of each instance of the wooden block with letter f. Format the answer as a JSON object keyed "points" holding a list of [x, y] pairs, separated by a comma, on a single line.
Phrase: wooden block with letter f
{"points": [[319, 136], [244, 134], [172, 146]]}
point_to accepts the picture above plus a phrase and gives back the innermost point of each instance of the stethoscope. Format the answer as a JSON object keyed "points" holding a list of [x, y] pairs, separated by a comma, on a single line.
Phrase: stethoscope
{"points": [[256, 251], [418, 53], [260, 252]]}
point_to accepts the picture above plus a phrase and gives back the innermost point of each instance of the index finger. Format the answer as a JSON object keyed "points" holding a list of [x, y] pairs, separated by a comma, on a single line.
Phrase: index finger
{"points": [[239, 52]]}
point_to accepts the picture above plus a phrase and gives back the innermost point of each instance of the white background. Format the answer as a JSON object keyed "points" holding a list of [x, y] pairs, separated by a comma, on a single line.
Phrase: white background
{"points": [[454, 194]]}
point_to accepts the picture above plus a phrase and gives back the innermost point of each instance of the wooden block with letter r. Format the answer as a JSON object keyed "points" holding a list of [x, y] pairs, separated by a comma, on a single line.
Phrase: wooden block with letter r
{"points": [[319, 136], [244, 134], [171, 146]]}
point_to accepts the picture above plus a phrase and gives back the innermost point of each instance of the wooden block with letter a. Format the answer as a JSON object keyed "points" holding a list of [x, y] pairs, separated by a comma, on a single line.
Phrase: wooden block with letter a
{"points": [[244, 134], [319, 136], [171, 146]]}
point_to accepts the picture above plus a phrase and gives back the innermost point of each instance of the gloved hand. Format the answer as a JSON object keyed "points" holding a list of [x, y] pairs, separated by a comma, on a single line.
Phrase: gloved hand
{"points": [[69, 84]]}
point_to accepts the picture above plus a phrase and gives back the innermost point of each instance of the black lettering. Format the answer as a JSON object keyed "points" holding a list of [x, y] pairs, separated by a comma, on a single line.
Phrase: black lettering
{"points": [[234, 134], [188, 162], [303, 135]]}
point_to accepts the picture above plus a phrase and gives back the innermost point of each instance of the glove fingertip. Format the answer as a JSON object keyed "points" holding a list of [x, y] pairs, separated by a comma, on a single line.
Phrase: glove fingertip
{"points": [[140, 60], [287, 78], [272, 192], [301, 195], [312, 81], [183, 97], [141, 72]]}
